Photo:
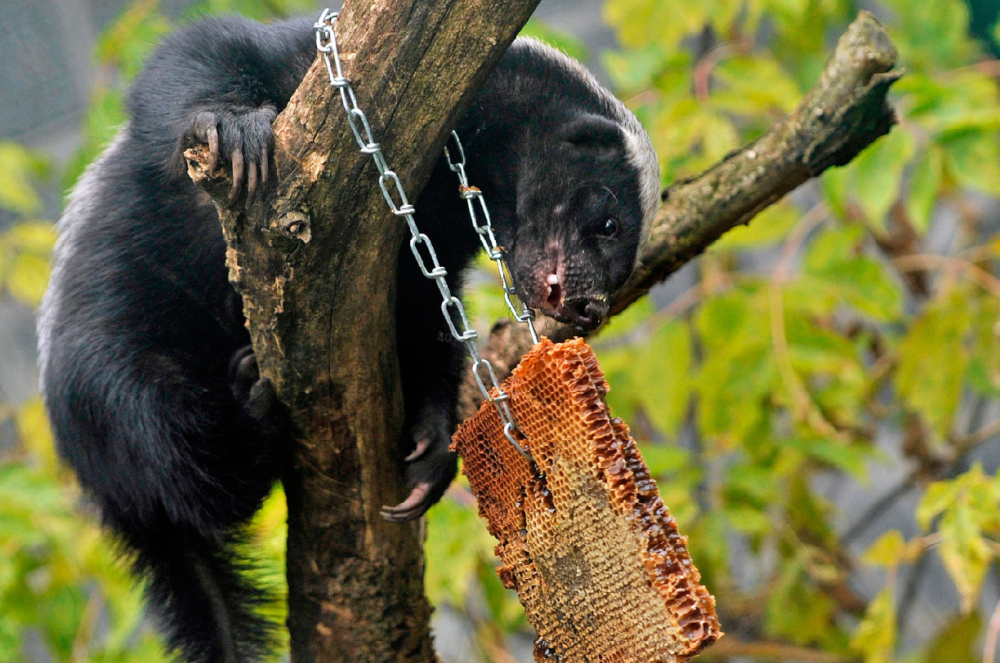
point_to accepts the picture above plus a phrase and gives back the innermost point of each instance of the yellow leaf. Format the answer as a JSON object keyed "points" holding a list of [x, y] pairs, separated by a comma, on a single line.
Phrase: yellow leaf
{"points": [[933, 360], [768, 227], [28, 277], [33, 237], [966, 562], [887, 550], [35, 433], [875, 637]]}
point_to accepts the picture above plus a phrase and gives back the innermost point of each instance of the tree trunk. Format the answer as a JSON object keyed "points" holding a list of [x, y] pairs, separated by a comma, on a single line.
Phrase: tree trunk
{"points": [[316, 266]]}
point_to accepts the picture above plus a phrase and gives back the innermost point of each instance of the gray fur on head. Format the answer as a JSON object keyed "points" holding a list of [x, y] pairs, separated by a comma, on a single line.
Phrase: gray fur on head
{"points": [[638, 146]]}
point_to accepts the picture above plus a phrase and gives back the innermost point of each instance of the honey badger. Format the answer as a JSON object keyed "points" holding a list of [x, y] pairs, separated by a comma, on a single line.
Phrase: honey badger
{"points": [[146, 366]]}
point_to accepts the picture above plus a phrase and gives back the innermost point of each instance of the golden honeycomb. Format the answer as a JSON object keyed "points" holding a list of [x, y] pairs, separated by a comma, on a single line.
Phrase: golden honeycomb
{"points": [[584, 537]]}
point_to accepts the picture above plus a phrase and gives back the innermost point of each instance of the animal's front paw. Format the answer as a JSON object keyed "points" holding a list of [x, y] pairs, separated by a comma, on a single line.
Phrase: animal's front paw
{"points": [[243, 139], [255, 395], [430, 469]]}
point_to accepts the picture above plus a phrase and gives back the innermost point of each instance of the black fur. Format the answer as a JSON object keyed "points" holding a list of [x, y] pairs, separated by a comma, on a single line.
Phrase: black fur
{"points": [[151, 385]]}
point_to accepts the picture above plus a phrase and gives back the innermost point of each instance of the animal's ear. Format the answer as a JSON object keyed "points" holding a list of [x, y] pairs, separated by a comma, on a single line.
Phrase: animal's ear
{"points": [[594, 136]]}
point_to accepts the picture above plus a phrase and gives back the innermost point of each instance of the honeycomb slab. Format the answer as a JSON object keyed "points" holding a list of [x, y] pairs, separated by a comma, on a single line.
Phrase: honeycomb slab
{"points": [[584, 537]]}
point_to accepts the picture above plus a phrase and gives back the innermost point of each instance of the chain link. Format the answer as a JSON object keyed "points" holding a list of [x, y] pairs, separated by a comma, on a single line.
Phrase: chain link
{"points": [[395, 198]]}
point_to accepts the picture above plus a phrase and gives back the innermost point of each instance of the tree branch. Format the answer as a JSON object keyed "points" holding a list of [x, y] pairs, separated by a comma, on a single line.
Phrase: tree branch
{"points": [[316, 266]]}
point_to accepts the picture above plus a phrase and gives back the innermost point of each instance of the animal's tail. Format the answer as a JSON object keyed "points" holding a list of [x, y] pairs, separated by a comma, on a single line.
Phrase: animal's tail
{"points": [[201, 590]]}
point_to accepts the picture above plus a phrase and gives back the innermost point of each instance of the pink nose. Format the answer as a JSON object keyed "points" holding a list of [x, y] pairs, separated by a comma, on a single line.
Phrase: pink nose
{"points": [[555, 295]]}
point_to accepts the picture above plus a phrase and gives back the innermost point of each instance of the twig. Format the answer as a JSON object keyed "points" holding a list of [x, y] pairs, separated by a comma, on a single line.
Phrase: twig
{"points": [[88, 623], [926, 261], [703, 70], [816, 215], [966, 443], [805, 409], [992, 632], [870, 516]]}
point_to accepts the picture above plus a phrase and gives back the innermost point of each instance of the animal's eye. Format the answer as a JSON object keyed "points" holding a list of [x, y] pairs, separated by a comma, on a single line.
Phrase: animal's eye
{"points": [[610, 228]]}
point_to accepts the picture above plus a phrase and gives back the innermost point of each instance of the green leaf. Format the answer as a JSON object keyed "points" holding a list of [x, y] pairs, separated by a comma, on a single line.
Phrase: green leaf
{"points": [[932, 33], [663, 376], [878, 172], [849, 458], [836, 263], [457, 543], [932, 361], [637, 69], [661, 458], [962, 101], [973, 159], [836, 184], [639, 23], [127, 42], [967, 505], [807, 512], [36, 237], [617, 364], [875, 636], [34, 432], [796, 611], [768, 227], [628, 321], [925, 187], [984, 366], [566, 42], [866, 286], [938, 497], [965, 553], [750, 484], [738, 371], [18, 169], [955, 642], [105, 115], [755, 85]]}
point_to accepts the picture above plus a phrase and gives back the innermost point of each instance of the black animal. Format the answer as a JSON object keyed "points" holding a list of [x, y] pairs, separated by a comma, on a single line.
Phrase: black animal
{"points": [[149, 379]]}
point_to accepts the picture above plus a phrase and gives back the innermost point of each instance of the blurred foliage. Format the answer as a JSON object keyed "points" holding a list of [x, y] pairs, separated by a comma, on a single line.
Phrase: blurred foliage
{"points": [[823, 321]]}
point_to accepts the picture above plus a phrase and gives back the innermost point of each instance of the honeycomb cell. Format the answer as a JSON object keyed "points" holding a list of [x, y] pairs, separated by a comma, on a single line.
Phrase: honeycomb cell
{"points": [[584, 538]]}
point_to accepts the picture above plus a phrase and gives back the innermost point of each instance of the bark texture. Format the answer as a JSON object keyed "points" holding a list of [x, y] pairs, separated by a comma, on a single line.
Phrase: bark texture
{"points": [[315, 264], [845, 112]]}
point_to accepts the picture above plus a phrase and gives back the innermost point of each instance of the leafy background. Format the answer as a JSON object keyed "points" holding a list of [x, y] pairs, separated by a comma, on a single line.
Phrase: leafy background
{"points": [[818, 394]]}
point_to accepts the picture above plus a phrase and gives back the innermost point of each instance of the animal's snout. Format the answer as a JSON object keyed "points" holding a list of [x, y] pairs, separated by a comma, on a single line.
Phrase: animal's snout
{"points": [[587, 313]]}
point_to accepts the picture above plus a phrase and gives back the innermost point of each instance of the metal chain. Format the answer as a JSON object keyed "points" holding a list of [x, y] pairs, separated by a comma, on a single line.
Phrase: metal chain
{"points": [[486, 236], [451, 307]]}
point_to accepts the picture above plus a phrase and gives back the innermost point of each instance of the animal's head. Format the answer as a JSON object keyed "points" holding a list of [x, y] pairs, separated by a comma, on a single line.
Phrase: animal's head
{"points": [[579, 184]]}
